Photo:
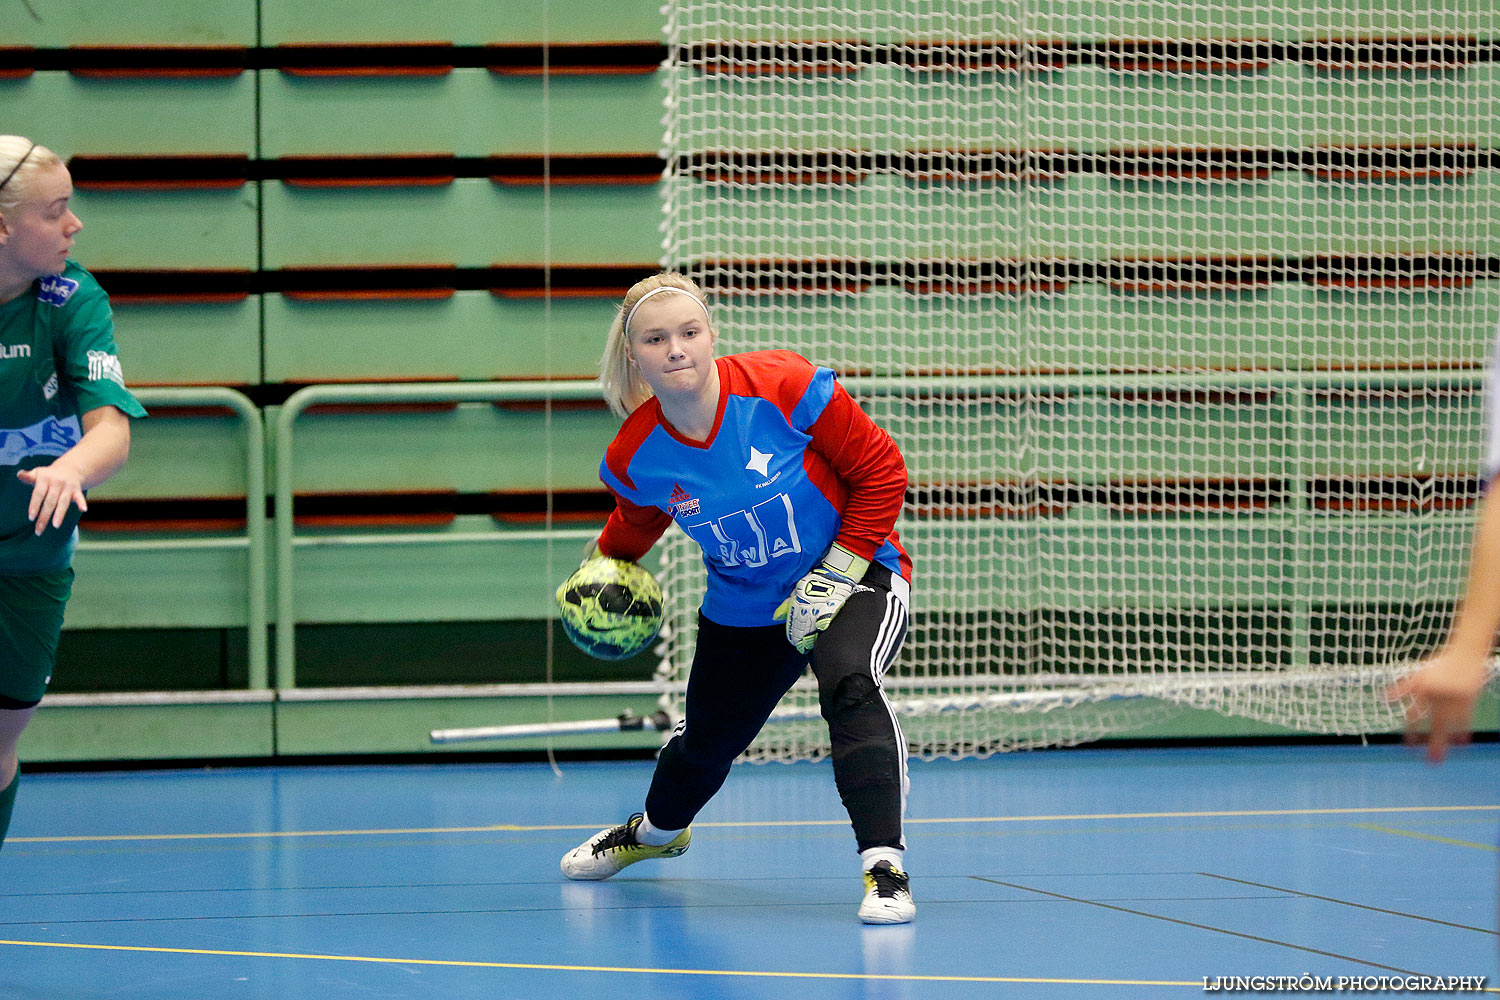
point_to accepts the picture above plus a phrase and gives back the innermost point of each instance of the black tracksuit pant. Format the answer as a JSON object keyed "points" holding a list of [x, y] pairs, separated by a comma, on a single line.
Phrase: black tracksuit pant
{"points": [[740, 674]]}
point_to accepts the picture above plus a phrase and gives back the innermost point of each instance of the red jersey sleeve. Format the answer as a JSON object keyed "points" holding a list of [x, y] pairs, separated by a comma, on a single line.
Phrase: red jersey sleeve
{"points": [[631, 529], [871, 466]]}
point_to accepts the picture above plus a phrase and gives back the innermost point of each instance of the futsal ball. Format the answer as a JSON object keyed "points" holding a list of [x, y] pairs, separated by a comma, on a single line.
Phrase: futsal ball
{"points": [[610, 608]]}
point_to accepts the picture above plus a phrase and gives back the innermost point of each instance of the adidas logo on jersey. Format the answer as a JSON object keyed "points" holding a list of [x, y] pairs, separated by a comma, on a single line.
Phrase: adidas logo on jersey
{"points": [[680, 504]]}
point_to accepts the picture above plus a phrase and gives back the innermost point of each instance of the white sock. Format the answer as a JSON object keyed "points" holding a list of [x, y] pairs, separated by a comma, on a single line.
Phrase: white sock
{"points": [[869, 859], [653, 836]]}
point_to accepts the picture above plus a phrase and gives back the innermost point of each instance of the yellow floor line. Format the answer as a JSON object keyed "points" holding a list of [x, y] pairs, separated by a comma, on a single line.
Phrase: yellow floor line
{"points": [[745, 973], [1417, 835], [517, 828]]}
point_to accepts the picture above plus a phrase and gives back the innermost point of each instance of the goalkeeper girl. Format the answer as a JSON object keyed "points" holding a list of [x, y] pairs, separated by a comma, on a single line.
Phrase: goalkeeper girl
{"points": [[792, 492], [64, 425]]}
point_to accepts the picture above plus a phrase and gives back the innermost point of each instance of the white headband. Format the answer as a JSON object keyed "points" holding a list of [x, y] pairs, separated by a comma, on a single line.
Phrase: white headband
{"points": [[657, 291]]}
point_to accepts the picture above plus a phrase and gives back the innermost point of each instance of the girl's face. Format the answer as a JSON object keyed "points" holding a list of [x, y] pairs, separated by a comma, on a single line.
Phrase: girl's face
{"points": [[672, 344], [36, 235]]}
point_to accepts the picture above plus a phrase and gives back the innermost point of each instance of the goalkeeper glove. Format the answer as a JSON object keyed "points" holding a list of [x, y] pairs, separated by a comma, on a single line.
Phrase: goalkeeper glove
{"points": [[819, 595]]}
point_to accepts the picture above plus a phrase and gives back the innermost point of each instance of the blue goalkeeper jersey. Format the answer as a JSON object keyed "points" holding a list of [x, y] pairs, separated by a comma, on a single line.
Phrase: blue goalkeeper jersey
{"points": [[791, 466]]}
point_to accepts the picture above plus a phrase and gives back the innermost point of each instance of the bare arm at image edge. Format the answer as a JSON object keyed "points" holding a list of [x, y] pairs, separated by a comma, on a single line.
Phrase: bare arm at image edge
{"points": [[1445, 687]]}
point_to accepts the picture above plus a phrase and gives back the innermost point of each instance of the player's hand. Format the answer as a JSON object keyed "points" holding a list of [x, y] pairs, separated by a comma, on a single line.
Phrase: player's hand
{"points": [[53, 491], [819, 595], [1441, 695]]}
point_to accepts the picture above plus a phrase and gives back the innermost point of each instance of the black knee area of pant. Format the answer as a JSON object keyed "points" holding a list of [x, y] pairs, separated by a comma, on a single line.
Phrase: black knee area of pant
{"points": [[850, 692], [864, 749]]}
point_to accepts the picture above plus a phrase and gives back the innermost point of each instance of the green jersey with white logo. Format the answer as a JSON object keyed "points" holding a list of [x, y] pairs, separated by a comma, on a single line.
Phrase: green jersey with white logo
{"points": [[57, 361]]}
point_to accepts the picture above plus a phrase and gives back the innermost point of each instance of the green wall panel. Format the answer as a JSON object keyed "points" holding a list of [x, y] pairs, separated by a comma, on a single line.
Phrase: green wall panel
{"points": [[189, 343], [469, 335], [463, 22], [182, 229], [472, 448], [149, 732], [468, 572], [61, 23], [120, 584], [175, 455], [132, 116], [468, 112], [470, 222]]}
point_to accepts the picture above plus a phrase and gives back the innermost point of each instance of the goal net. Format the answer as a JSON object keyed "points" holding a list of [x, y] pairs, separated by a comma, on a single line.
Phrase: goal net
{"points": [[1178, 311]]}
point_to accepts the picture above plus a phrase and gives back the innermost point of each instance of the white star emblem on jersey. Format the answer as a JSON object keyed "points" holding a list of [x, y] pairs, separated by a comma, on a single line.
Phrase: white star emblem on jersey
{"points": [[759, 462]]}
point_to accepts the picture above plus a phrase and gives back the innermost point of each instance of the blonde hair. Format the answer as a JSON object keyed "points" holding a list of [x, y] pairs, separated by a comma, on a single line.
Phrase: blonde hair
{"points": [[624, 389], [32, 159]]}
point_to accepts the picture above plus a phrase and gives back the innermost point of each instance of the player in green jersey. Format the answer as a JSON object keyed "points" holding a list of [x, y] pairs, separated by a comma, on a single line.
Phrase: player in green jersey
{"points": [[64, 425]]}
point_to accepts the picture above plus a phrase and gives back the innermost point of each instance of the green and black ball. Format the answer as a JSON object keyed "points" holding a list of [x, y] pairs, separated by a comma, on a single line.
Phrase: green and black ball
{"points": [[610, 608]]}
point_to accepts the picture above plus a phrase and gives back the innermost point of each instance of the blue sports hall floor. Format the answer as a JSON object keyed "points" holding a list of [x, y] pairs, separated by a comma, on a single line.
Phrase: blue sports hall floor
{"points": [[1097, 873]]}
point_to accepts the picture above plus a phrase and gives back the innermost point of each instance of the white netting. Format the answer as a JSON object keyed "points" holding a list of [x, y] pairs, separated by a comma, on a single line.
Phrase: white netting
{"points": [[1177, 311]]}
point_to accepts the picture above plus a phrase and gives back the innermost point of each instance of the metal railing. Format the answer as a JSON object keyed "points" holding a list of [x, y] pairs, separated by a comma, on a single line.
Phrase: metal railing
{"points": [[254, 538], [284, 443]]}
